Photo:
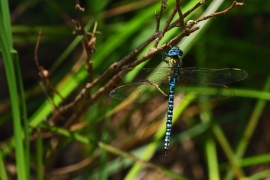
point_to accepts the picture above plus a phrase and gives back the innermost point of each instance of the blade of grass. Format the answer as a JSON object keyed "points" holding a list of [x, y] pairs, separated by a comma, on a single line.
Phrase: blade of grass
{"points": [[250, 161], [6, 47], [3, 173], [23, 111], [212, 161], [221, 138], [133, 158], [210, 147], [39, 156], [103, 153], [252, 124], [21, 166], [261, 175]]}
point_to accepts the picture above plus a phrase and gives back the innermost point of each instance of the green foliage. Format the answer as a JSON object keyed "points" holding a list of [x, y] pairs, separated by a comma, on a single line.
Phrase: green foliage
{"points": [[78, 135]]}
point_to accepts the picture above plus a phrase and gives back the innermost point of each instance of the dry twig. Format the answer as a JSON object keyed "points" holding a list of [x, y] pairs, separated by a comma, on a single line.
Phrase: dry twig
{"points": [[44, 75], [81, 104]]}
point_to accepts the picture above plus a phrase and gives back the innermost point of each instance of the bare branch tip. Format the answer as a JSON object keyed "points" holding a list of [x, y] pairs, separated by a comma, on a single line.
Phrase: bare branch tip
{"points": [[78, 7], [190, 23], [202, 1]]}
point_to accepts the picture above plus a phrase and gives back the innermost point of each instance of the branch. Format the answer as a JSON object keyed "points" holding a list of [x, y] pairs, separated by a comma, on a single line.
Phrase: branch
{"points": [[175, 24], [226, 11], [181, 17], [80, 98], [81, 103], [88, 45], [158, 17], [165, 29]]}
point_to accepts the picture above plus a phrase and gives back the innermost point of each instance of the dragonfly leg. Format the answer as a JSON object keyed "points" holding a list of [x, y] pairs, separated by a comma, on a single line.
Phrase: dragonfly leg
{"points": [[164, 55]]}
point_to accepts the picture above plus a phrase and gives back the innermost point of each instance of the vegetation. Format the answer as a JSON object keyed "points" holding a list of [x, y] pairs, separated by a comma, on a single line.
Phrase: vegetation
{"points": [[62, 58]]}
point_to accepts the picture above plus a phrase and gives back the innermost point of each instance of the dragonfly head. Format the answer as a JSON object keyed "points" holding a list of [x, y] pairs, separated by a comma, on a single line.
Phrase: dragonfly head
{"points": [[175, 51]]}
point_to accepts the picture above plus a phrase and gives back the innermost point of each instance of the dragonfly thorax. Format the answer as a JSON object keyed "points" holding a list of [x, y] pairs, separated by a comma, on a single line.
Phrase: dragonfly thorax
{"points": [[175, 62]]}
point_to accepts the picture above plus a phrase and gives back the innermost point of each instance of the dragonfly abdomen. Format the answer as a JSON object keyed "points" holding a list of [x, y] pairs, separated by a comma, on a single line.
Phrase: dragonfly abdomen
{"points": [[172, 82]]}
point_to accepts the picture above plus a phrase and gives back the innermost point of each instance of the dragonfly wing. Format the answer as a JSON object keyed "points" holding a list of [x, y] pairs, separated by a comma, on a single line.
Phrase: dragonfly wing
{"points": [[157, 75], [138, 92], [216, 76], [191, 89]]}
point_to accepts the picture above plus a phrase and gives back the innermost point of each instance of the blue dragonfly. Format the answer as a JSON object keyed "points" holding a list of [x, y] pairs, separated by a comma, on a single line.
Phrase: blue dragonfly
{"points": [[190, 83]]}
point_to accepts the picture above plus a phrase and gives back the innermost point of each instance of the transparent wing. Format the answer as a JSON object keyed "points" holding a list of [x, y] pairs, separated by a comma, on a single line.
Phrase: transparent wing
{"points": [[149, 91], [201, 92], [138, 92], [146, 74], [216, 76], [203, 84], [202, 75]]}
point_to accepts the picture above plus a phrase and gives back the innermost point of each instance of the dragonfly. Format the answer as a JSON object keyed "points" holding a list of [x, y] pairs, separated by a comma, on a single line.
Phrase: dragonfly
{"points": [[188, 83]]}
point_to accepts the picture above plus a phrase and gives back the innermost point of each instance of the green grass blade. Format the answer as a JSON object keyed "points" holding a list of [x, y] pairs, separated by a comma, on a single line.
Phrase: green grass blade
{"points": [[39, 156], [23, 111], [211, 155], [139, 161], [3, 173], [6, 48], [252, 124], [261, 175], [210, 147]]}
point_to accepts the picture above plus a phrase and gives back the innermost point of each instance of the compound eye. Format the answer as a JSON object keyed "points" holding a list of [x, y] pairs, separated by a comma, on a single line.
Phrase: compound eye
{"points": [[175, 51]]}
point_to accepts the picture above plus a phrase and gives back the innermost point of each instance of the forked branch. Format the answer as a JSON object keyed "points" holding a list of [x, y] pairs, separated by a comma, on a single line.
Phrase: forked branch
{"points": [[80, 104]]}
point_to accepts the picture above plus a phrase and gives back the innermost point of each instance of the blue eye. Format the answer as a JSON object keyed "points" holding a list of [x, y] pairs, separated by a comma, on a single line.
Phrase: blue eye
{"points": [[175, 51]]}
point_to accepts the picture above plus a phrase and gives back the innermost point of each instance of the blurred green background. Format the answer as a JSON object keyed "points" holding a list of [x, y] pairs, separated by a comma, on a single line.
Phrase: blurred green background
{"points": [[217, 140]]}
